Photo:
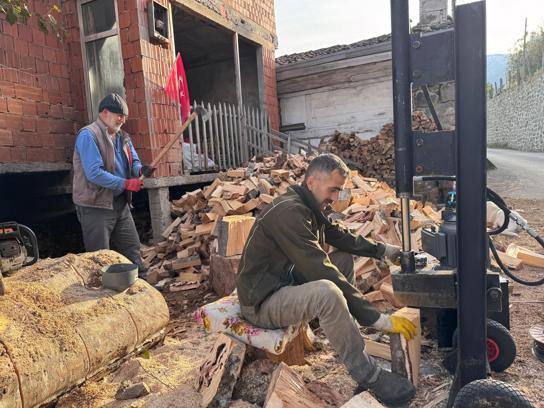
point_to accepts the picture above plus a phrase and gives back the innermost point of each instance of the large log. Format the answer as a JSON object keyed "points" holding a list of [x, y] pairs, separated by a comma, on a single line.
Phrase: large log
{"points": [[223, 272], [59, 327], [293, 353]]}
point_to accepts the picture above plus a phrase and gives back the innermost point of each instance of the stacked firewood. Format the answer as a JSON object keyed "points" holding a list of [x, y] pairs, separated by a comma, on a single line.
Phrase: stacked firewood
{"points": [[220, 214], [372, 210], [374, 157], [207, 237]]}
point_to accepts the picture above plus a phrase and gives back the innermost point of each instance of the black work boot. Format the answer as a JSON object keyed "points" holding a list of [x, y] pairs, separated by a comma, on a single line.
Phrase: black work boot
{"points": [[390, 388]]}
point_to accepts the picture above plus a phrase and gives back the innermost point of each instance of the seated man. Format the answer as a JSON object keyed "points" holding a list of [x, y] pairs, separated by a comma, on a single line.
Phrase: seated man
{"points": [[285, 277]]}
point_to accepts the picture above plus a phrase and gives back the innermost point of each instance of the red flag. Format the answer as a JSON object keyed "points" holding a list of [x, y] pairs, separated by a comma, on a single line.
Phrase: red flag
{"points": [[176, 88]]}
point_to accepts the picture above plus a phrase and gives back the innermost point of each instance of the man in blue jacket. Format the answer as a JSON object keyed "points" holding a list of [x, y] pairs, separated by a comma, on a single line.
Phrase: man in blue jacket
{"points": [[106, 170]]}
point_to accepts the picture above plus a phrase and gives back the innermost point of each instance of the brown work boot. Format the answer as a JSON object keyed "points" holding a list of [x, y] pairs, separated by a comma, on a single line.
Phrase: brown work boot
{"points": [[390, 388]]}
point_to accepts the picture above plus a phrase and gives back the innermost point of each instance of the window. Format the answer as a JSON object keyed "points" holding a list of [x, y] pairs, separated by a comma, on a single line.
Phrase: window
{"points": [[101, 49]]}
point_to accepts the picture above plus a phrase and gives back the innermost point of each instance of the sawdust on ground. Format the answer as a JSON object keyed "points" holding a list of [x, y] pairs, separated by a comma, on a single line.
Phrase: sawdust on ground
{"points": [[171, 376]]}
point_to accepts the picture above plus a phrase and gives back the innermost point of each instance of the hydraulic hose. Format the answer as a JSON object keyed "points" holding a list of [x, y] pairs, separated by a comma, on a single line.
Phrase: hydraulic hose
{"points": [[509, 215], [510, 274]]}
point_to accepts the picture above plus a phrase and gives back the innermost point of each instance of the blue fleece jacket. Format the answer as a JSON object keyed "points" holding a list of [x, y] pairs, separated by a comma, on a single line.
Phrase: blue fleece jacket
{"points": [[93, 165]]}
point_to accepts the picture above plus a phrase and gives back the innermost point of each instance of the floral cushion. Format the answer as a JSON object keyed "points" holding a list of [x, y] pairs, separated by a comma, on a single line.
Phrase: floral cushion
{"points": [[224, 315]]}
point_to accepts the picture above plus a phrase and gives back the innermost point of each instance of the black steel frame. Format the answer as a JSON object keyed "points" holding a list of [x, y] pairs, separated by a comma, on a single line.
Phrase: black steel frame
{"points": [[422, 60]]}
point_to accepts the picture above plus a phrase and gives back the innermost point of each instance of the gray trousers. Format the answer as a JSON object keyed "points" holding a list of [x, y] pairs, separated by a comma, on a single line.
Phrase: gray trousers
{"points": [[115, 229], [324, 300]]}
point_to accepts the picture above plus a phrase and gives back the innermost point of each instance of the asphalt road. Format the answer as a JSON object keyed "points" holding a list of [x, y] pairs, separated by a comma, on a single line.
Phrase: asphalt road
{"points": [[518, 174]]}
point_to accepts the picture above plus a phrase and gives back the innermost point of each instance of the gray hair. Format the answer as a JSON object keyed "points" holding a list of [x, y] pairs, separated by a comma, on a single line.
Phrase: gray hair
{"points": [[326, 163]]}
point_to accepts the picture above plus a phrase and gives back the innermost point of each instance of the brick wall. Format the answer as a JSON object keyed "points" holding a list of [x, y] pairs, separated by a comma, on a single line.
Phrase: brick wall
{"points": [[40, 91]]}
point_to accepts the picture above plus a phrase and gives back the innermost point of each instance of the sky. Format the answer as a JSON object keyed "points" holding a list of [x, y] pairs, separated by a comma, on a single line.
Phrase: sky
{"points": [[304, 25]]}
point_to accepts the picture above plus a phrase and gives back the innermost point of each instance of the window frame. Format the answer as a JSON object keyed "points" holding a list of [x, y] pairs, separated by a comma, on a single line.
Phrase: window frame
{"points": [[84, 39]]}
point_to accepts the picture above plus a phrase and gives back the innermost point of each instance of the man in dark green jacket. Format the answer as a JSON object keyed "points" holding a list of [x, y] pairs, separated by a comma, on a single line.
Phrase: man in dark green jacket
{"points": [[285, 277]]}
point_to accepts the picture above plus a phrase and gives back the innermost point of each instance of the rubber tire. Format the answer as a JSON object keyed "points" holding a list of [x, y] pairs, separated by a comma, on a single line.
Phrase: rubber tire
{"points": [[490, 393], [500, 335]]}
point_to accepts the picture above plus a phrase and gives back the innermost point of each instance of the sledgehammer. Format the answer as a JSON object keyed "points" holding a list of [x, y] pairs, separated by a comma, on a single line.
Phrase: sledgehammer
{"points": [[198, 110]]}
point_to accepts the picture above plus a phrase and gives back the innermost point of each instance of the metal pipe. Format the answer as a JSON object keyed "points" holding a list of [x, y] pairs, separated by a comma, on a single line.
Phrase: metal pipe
{"points": [[405, 211], [402, 96], [430, 104], [402, 112]]}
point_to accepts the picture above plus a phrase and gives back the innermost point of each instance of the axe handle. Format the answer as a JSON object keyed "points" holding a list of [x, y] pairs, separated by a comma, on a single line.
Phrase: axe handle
{"points": [[172, 141]]}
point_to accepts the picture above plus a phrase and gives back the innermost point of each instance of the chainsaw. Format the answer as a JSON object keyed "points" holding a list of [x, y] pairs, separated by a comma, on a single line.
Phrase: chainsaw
{"points": [[18, 248]]}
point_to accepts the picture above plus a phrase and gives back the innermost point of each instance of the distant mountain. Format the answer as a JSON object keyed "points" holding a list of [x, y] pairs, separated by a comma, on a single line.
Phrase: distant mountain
{"points": [[496, 68]]}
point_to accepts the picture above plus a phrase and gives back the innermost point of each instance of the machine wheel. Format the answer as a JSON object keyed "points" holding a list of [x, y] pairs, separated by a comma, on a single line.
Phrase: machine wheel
{"points": [[501, 348], [490, 393]]}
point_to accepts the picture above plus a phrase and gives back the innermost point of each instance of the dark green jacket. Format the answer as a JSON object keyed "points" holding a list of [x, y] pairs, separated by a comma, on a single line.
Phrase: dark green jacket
{"points": [[285, 247]]}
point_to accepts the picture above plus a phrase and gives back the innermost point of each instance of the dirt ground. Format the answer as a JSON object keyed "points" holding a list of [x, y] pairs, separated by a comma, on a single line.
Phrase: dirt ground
{"points": [[169, 370]]}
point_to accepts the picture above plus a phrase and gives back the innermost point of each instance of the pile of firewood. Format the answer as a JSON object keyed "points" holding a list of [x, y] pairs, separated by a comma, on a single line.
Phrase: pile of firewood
{"points": [[206, 239], [221, 213], [374, 157]]}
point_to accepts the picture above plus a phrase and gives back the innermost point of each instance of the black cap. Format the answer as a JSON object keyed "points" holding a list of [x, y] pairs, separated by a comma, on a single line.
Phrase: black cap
{"points": [[114, 103]]}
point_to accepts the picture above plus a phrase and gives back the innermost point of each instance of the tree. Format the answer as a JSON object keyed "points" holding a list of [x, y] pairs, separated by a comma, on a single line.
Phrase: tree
{"points": [[527, 57], [17, 11]]}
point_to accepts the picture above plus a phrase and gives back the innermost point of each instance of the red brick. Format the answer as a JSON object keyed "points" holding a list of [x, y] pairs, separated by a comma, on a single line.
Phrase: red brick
{"points": [[51, 40], [29, 124], [13, 122], [49, 54], [24, 32], [9, 29], [34, 154], [7, 42], [15, 106], [6, 138], [5, 154], [42, 67], [3, 104], [55, 111], [28, 92], [42, 108], [18, 155], [124, 20], [55, 70], [38, 36], [28, 63], [35, 50], [29, 108]]}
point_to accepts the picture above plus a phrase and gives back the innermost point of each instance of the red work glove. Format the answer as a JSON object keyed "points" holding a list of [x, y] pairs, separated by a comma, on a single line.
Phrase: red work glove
{"points": [[133, 185]]}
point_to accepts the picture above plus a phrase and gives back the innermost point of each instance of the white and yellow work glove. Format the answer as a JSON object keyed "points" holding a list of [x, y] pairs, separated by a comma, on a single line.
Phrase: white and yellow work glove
{"points": [[396, 324], [392, 252]]}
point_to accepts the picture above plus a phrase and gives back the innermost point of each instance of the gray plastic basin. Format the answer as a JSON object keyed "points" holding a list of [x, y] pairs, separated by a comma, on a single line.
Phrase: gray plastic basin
{"points": [[119, 276]]}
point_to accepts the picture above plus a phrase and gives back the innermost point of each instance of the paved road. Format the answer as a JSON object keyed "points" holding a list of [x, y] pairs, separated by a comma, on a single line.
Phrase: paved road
{"points": [[518, 174]]}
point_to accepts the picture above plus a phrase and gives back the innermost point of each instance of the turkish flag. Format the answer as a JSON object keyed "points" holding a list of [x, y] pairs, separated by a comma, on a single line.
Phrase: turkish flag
{"points": [[176, 87]]}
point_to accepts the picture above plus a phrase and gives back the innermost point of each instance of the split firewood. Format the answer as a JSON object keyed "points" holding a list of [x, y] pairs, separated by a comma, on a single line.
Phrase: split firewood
{"points": [[406, 354], [365, 399], [287, 389], [374, 157], [232, 234], [376, 349], [526, 255]]}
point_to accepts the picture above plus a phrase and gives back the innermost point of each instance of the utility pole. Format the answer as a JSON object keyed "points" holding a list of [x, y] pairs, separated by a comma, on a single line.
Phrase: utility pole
{"points": [[525, 73]]}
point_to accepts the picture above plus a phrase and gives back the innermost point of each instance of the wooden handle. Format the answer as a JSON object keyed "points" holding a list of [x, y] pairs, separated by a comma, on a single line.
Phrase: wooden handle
{"points": [[172, 141]]}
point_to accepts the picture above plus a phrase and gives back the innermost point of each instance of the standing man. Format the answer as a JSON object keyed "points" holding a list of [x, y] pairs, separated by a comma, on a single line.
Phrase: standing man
{"points": [[285, 277], [106, 170]]}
